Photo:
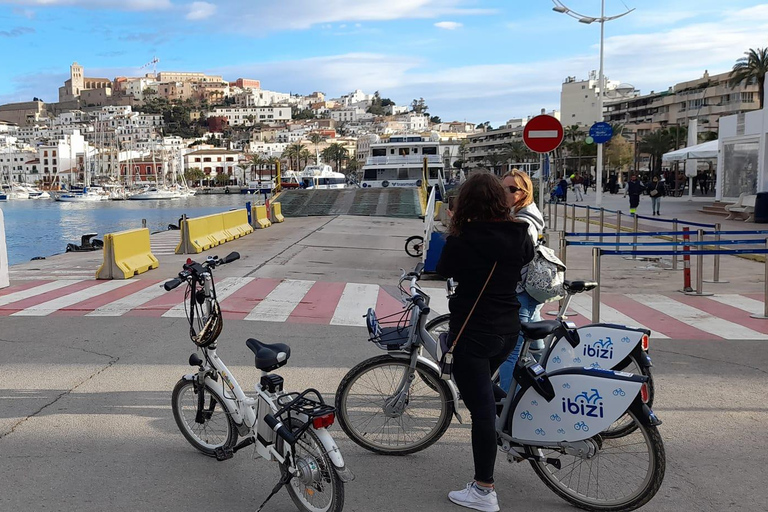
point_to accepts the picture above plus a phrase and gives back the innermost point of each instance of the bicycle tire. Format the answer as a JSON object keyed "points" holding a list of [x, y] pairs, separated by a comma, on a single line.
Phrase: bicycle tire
{"points": [[218, 430], [309, 447], [622, 426], [649, 485], [414, 246], [387, 440], [438, 325]]}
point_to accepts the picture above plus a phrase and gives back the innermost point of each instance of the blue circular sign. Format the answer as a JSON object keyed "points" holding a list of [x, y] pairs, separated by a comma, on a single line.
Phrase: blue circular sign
{"points": [[601, 132]]}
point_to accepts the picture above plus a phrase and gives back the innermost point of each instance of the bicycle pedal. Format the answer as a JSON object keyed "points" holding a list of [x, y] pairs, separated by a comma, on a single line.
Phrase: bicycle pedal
{"points": [[223, 453]]}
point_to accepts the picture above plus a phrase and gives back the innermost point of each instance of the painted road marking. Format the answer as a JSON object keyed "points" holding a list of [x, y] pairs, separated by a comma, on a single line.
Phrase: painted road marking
{"points": [[37, 290], [126, 304], [280, 303], [224, 289], [582, 304], [46, 308], [354, 303]]}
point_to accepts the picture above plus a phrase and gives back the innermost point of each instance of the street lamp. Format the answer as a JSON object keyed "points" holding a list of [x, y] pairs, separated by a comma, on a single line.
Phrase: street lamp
{"points": [[563, 9]]}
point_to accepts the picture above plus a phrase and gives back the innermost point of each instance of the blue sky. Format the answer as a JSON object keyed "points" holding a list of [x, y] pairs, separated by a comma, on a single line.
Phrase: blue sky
{"points": [[474, 60]]}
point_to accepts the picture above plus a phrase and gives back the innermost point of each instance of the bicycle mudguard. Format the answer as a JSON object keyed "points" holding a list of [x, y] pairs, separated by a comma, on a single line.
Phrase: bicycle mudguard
{"points": [[600, 346], [586, 402], [333, 452]]}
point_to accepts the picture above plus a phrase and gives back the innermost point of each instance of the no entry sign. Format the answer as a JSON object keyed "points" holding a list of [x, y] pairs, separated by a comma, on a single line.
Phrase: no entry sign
{"points": [[543, 134]]}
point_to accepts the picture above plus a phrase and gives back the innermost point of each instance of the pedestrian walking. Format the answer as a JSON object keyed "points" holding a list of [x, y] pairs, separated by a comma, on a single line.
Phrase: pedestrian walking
{"points": [[634, 189], [563, 185], [656, 190], [578, 187], [520, 200], [485, 252]]}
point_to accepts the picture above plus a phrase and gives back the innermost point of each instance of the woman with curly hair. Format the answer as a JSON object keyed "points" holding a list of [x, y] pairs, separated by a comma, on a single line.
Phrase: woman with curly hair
{"points": [[483, 241]]}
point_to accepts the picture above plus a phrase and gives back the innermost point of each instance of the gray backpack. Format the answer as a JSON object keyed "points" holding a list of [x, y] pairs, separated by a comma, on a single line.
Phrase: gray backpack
{"points": [[546, 273]]}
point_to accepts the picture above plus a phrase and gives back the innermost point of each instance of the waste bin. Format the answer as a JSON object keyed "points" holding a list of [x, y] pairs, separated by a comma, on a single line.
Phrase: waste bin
{"points": [[761, 208]]}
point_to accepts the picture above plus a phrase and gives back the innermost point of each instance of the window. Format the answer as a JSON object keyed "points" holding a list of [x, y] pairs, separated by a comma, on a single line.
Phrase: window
{"points": [[197, 159], [429, 150], [207, 159], [378, 152], [404, 151], [230, 159], [747, 97]]}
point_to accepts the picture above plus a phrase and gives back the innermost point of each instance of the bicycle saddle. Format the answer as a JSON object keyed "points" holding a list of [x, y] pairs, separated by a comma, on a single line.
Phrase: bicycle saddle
{"points": [[579, 286], [269, 356], [539, 330]]}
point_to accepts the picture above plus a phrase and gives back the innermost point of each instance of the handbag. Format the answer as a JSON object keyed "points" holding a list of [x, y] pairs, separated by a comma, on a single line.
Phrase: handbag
{"points": [[546, 275], [444, 353], [654, 193]]}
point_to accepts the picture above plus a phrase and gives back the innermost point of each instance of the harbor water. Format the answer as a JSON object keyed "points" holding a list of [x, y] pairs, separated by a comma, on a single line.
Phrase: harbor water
{"points": [[42, 228]]}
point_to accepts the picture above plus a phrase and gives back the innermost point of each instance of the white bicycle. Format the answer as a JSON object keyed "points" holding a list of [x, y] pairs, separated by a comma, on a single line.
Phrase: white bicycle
{"points": [[290, 428]]}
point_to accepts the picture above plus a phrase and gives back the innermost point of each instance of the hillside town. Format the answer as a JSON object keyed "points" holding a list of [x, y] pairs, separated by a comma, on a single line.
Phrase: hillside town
{"points": [[203, 132]]}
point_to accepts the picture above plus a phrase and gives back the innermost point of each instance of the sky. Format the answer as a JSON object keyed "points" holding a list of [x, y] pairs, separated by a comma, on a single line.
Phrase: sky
{"points": [[471, 60]]}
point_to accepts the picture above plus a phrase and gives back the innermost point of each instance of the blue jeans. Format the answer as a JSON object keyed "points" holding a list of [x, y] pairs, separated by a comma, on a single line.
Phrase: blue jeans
{"points": [[530, 311]]}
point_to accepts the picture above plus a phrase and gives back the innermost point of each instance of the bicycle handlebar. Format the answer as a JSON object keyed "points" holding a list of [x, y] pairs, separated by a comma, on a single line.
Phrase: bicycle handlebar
{"points": [[194, 270], [173, 283]]}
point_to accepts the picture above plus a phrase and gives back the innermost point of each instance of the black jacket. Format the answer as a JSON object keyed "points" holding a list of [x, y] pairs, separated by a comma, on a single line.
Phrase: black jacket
{"points": [[658, 187], [469, 258], [635, 188]]}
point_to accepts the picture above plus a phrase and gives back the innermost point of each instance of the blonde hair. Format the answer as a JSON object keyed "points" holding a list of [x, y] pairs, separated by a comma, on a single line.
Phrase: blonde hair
{"points": [[524, 183]]}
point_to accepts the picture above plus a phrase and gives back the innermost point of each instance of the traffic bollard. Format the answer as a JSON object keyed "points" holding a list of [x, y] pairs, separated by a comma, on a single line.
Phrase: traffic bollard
{"points": [[573, 218], [565, 216], [587, 228], [716, 272], [686, 263], [634, 238], [676, 240], [596, 252], [618, 228], [699, 269], [764, 316], [554, 228], [602, 223]]}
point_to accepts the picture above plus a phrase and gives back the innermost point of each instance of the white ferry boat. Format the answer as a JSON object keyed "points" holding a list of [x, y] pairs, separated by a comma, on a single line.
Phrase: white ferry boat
{"points": [[399, 162], [321, 177]]}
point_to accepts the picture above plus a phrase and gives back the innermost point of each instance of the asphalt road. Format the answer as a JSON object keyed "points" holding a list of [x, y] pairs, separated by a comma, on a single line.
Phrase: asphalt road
{"points": [[86, 424]]}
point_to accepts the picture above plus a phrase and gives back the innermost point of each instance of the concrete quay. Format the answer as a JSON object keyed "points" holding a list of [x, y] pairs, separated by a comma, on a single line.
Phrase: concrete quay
{"points": [[86, 424]]}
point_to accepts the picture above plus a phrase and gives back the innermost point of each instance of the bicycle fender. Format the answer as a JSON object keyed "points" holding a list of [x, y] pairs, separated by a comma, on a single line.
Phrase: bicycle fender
{"points": [[600, 346], [333, 452]]}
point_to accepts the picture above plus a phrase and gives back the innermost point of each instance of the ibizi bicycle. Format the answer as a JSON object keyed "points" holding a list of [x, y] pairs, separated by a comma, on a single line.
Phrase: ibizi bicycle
{"points": [[397, 404], [212, 410]]}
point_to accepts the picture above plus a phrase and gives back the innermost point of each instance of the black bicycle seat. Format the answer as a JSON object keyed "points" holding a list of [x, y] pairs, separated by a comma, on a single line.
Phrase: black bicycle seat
{"points": [[579, 286], [539, 330], [269, 356]]}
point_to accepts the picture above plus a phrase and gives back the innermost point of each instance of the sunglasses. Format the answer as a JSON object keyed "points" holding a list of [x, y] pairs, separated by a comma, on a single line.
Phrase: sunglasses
{"points": [[513, 189]]}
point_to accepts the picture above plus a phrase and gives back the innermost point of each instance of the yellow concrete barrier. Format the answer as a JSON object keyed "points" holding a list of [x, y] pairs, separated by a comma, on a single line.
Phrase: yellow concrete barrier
{"points": [[277, 212], [260, 218], [236, 223], [438, 209], [126, 254], [202, 233]]}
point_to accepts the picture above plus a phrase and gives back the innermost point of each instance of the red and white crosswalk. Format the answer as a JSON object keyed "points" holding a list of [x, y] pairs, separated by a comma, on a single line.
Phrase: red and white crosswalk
{"points": [[725, 316]]}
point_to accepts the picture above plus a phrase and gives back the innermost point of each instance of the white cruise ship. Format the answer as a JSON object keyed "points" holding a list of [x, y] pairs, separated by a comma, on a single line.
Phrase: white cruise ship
{"points": [[399, 162]]}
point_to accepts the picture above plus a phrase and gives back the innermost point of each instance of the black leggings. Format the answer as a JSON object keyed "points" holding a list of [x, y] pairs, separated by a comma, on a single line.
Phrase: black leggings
{"points": [[476, 357]]}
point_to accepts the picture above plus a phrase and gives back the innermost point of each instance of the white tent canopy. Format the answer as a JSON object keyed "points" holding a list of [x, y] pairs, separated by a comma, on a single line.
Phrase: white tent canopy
{"points": [[705, 150]]}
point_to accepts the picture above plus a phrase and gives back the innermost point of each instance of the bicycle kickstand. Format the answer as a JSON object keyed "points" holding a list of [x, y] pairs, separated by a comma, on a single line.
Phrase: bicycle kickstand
{"points": [[283, 481]]}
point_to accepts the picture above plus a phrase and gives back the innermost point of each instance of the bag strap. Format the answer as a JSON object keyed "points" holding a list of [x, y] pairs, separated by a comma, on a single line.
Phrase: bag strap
{"points": [[473, 308]]}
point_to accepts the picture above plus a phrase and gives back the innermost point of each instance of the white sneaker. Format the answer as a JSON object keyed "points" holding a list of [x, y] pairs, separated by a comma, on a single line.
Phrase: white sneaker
{"points": [[472, 498]]}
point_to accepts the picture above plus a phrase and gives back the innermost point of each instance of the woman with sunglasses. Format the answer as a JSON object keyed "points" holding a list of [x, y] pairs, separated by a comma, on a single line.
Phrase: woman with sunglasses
{"points": [[484, 252], [520, 200]]}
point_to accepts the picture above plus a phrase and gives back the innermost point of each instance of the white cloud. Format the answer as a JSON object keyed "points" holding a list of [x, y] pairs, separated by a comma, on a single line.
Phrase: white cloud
{"points": [[306, 13], [448, 25], [200, 10], [123, 5]]}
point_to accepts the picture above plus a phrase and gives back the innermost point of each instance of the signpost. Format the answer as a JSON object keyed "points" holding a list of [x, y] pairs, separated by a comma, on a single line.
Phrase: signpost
{"points": [[541, 135], [601, 132]]}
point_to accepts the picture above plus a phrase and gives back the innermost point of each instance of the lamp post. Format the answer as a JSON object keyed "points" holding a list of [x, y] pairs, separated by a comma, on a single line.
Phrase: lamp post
{"points": [[562, 9]]}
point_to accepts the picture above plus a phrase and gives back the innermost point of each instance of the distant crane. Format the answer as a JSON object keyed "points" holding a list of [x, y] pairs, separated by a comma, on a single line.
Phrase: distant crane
{"points": [[152, 63]]}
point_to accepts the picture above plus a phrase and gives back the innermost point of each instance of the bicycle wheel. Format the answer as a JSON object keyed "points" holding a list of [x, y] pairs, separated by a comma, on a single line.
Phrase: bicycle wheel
{"points": [[365, 413], [414, 246], [218, 428], [625, 425], [318, 487], [623, 474], [438, 325]]}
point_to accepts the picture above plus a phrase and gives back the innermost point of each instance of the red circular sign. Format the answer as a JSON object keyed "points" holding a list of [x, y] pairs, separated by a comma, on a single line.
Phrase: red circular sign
{"points": [[543, 134]]}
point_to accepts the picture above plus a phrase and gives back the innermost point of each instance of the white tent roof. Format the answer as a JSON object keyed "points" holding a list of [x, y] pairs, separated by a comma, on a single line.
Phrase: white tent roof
{"points": [[705, 150]]}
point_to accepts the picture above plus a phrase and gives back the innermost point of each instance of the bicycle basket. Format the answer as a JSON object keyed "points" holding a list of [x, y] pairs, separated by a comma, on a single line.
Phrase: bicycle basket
{"points": [[389, 333]]}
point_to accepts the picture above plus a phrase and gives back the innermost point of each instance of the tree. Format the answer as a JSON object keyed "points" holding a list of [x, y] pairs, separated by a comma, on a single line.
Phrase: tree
{"points": [[619, 154], [749, 69], [194, 174], [516, 152], [655, 144], [495, 159], [419, 106], [222, 179], [293, 154], [572, 132], [435, 120], [255, 163], [484, 126], [335, 153], [315, 138]]}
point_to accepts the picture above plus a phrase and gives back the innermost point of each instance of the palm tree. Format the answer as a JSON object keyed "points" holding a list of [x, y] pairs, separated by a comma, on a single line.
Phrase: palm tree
{"points": [[293, 154], [305, 156], [495, 159], [572, 132], [335, 153], [315, 138], [256, 162], [656, 144], [751, 68]]}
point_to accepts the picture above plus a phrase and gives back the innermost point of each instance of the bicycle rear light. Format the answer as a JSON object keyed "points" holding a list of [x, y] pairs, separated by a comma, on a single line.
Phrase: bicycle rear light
{"points": [[324, 421], [646, 342], [645, 393]]}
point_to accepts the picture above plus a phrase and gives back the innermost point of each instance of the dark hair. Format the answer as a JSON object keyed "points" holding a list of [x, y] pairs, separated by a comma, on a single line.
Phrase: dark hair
{"points": [[481, 198]]}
